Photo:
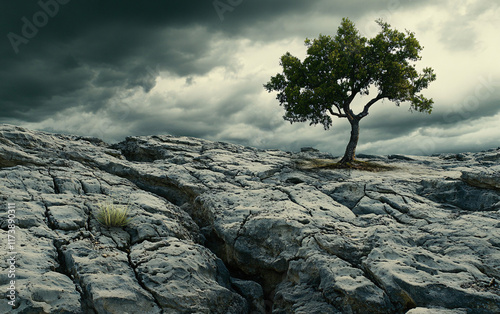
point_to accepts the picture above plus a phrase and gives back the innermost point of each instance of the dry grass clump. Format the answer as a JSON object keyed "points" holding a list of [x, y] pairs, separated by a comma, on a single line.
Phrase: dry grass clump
{"points": [[113, 215]]}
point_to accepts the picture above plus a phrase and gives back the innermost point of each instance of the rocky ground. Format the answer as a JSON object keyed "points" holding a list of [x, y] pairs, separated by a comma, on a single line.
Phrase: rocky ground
{"points": [[222, 228]]}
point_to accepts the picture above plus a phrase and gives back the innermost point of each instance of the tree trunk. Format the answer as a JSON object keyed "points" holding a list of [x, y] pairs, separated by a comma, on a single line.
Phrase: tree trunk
{"points": [[350, 150]]}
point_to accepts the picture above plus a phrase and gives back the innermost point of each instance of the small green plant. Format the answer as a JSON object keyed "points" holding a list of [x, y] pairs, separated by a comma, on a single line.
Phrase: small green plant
{"points": [[112, 215]]}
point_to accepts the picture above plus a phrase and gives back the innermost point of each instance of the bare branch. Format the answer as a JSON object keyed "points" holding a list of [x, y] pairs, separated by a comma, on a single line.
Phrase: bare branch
{"points": [[333, 113], [338, 108], [364, 113], [347, 106]]}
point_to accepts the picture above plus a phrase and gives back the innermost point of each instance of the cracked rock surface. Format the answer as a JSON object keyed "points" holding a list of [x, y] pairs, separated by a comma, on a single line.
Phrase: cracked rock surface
{"points": [[222, 228]]}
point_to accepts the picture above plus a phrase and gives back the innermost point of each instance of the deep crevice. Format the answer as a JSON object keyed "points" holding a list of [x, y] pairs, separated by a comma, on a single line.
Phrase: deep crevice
{"points": [[139, 280], [162, 188], [245, 220], [370, 276], [86, 303], [237, 273], [56, 186], [50, 223], [268, 279], [85, 300]]}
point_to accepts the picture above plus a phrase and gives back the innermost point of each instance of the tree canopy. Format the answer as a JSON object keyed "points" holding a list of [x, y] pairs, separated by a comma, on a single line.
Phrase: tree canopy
{"points": [[339, 68]]}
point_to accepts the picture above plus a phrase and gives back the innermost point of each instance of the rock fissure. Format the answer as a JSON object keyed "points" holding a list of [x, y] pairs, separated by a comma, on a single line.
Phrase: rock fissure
{"points": [[90, 214], [49, 221], [140, 280], [162, 187], [62, 269], [239, 233], [56, 186]]}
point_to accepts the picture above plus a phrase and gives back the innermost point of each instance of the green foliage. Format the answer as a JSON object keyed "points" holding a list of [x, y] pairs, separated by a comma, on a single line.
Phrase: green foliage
{"points": [[112, 215], [339, 68]]}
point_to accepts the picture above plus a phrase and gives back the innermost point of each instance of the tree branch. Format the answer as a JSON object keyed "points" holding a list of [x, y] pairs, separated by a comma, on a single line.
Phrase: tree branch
{"points": [[338, 108], [350, 99], [364, 113], [333, 113], [347, 106]]}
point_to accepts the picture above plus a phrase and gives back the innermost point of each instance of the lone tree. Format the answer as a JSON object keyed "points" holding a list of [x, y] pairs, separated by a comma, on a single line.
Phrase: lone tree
{"points": [[338, 69]]}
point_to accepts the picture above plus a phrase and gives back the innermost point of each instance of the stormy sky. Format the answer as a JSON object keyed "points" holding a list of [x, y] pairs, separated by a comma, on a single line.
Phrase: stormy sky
{"points": [[111, 69]]}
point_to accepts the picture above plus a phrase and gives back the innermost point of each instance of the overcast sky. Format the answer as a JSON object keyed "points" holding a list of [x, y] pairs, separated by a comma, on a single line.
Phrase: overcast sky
{"points": [[117, 68]]}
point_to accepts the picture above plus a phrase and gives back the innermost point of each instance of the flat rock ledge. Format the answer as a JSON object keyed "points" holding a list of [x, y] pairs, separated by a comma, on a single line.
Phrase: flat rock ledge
{"points": [[223, 228]]}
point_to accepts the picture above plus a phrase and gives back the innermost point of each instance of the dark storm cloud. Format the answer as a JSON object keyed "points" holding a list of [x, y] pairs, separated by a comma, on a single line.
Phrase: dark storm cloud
{"points": [[57, 54], [89, 51]]}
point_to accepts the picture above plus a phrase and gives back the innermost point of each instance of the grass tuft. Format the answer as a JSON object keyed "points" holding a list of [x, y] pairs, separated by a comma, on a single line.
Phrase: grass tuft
{"points": [[113, 215]]}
